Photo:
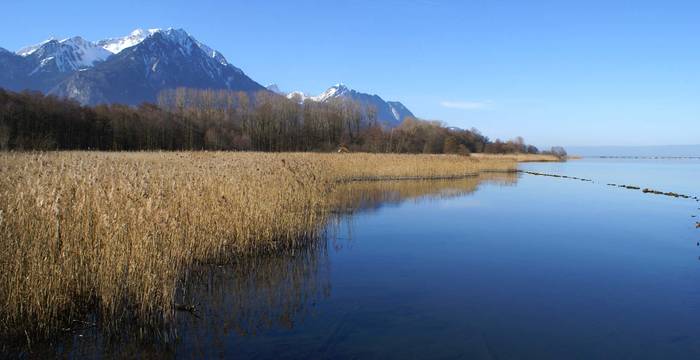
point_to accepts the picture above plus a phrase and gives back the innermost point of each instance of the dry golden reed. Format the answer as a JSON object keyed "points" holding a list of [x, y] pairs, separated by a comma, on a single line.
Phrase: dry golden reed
{"points": [[113, 233]]}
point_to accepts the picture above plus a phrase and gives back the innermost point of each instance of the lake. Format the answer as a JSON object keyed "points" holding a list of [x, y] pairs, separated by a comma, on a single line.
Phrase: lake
{"points": [[504, 266]]}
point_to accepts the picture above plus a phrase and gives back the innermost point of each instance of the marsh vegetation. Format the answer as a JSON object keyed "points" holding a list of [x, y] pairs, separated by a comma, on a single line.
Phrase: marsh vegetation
{"points": [[116, 234]]}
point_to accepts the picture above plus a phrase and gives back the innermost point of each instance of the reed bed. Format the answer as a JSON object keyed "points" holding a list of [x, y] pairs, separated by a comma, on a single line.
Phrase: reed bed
{"points": [[111, 234], [403, 166]]}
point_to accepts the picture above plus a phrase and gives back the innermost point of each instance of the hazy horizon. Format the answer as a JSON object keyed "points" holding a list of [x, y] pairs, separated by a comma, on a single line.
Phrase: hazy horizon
{"points": [[657, 150]]}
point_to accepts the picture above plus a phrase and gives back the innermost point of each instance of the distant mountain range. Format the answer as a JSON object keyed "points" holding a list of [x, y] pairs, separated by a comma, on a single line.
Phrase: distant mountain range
{"points": [[390, 113], [137, 67]]}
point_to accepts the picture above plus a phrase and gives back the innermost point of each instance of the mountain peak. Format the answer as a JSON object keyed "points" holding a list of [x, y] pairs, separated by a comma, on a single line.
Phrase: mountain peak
{"points": [[143, 33], [28, 50], [275, 89], [340, 86], [336, 90], [116, 45], [76, 40], [156, 60], [390, 113], [64, 56], [178, 36]]}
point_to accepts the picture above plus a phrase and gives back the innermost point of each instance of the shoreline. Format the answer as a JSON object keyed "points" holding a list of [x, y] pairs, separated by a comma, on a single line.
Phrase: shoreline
{"points": [[118, 230]]}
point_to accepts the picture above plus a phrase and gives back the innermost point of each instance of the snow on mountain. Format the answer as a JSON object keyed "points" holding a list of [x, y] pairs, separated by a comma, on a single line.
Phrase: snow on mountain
{"points": [[87, 53], [28, 50], [164, 59], [332, 92], [390, 113], [136, 67], [399, 110], [116, 45], [65, 55], [130, 69], [212, 53]]}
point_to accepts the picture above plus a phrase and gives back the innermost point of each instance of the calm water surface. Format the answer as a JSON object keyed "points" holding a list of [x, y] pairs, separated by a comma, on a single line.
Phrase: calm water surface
{"points": [[517, 267]]}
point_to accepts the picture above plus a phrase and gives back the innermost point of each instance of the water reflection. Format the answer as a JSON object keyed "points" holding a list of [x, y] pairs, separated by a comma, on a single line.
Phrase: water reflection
{"points": [[259, 294], [367, 196], [256, 293]]}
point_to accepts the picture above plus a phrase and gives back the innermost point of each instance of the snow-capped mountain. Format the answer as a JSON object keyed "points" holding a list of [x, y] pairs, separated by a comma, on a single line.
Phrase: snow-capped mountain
{"points": [[116, 45], [28, 50], [65, 55], [135, 68], [335, 91], [130, 69], [165, 59], [42, 66], [390, 113]]}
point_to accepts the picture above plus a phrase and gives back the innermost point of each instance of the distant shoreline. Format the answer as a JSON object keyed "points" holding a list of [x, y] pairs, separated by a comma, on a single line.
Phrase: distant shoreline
{"points": [[643, 157], [658, 151]]}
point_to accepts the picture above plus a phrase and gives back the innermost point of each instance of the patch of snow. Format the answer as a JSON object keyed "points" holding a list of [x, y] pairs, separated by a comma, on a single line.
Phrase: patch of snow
{"points": [[116, 45], [179, 36], [212, 53], [77, 53], [68, 54], [28, 50], [332, 92], [395, 113], [84, 53]]}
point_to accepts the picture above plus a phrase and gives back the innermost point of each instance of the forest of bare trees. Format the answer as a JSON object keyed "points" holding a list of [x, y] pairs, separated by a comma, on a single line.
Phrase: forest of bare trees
{"points": [[189, 119]]}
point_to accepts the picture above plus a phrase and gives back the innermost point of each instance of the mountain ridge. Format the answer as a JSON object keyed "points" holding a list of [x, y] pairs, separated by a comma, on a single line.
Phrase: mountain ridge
{"points": [[163, 60], [130, 69], [390, 113]]}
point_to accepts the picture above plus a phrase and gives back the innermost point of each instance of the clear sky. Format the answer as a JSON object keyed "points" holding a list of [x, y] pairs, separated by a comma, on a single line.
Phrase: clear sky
{"points": [[555, 72]]}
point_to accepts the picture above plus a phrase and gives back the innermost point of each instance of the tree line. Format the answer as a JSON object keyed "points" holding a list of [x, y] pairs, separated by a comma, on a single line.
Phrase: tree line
{"points": [[192, 119]]}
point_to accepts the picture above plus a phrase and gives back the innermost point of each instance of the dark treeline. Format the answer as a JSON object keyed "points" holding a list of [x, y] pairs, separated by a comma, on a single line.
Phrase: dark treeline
{"points": [[187, 119]]}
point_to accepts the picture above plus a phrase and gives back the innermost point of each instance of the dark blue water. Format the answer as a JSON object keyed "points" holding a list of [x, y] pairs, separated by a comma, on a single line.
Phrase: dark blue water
{"points": [[526, 268]]}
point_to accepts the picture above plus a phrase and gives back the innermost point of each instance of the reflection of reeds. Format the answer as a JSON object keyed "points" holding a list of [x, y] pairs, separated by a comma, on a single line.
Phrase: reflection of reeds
{"points": [[260, 292], [115, 232], [362, 195]]}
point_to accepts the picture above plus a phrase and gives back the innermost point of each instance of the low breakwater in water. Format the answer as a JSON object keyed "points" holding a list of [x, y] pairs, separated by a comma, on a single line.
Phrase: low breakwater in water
{"points": [[629, 187], [625, 186], [556, 176]]}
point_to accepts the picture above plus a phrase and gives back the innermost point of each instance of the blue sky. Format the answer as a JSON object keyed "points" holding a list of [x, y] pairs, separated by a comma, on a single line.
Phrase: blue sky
{"points": [[555, 72]]}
